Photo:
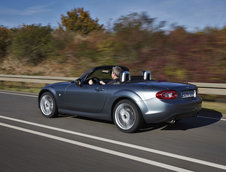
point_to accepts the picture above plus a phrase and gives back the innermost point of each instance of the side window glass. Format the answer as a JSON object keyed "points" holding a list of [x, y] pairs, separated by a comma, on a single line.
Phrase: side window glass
{"points": [[101, 74]]}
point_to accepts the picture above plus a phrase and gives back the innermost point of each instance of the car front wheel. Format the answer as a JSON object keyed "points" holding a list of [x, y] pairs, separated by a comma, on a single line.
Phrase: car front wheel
{"points": [[126, 116], [47, 105]]}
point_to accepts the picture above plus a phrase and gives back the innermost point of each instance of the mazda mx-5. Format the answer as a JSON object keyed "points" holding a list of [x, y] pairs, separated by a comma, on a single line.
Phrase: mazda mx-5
{"points": [[133, 101]]}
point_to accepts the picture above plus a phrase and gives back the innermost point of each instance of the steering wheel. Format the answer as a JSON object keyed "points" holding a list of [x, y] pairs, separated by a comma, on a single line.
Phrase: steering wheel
{"points": [[95, 80]]}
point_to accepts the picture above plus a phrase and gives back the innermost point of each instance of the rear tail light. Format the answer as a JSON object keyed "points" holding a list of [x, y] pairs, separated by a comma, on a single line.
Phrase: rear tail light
{"points": [[167, 94]]}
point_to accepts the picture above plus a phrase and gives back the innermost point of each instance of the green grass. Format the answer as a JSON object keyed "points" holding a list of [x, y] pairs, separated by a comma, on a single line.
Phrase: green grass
{"points": [[26, 90], [217, 106], [21, 87]]}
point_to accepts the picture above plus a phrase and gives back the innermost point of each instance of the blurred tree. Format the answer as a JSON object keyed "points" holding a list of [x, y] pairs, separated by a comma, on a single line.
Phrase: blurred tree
{"points": [[139, 21], [136, 34], [32, 43], [4, 41], [79, 20]]}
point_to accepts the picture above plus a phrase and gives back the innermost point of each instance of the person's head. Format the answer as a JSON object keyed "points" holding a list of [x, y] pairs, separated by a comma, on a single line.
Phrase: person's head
{"points": [[116, 72]]}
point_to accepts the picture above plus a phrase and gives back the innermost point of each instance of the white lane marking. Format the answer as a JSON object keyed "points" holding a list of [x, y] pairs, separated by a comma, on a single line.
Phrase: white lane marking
{"points": [[108, 151], [172, 155], [222, 119], [18, 94]]}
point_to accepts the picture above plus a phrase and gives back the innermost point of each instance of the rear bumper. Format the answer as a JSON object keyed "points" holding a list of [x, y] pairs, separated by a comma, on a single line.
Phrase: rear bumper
{"points": [[162, 111]]}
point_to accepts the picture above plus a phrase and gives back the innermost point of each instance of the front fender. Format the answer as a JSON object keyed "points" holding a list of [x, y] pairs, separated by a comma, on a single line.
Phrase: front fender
{"points": [[47, 89]]}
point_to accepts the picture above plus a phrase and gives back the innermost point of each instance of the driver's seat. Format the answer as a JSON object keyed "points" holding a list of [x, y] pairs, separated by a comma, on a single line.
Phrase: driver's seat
{"points": [[124, 76]]}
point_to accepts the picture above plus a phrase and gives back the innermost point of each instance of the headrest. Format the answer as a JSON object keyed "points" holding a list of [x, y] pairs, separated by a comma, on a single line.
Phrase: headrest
{"points": [[125, 76], [146, 75]]}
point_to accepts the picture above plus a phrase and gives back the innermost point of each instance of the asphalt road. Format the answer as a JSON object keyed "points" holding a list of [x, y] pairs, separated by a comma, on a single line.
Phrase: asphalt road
{"points": [[31, 142]]}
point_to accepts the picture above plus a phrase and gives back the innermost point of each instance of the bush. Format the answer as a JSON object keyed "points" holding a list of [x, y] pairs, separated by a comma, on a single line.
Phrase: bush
{"points": [[4, 41], [32, 43]]}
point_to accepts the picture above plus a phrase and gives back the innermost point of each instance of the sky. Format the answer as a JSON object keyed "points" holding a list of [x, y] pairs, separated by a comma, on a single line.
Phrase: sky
{"points": [[192, 14]]}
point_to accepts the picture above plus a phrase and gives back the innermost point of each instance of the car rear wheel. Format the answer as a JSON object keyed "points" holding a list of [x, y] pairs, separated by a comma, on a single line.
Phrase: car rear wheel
{"points": [[126, 116], [47, 105]]}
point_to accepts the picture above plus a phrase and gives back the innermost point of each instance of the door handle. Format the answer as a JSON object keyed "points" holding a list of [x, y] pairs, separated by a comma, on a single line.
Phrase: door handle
{"points": [[99, 89]]}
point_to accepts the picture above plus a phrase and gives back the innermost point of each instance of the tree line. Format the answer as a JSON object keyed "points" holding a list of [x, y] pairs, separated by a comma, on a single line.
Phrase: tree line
{"points": [[135, 40]]}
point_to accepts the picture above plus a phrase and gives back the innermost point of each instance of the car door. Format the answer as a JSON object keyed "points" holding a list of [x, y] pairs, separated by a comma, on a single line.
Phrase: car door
{"points": [[85, 98]]}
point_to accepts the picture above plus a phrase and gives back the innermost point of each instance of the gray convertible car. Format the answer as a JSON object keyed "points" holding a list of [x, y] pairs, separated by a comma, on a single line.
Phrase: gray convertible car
{"points": [[135, 100]]}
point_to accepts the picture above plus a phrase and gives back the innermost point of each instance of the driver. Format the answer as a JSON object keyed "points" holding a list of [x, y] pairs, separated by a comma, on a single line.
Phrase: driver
{"points": [[114, 74]]}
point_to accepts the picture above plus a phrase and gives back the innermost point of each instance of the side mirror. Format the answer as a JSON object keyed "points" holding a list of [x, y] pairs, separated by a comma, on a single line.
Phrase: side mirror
{"points": [[78, 82]]}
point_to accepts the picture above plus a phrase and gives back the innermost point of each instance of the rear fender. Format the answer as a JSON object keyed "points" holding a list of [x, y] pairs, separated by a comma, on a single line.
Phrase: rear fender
{"points": [[131, 95]]}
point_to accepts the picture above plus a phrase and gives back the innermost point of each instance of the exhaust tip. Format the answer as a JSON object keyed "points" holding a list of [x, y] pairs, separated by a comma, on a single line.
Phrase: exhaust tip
{"points": [[173, 121]]}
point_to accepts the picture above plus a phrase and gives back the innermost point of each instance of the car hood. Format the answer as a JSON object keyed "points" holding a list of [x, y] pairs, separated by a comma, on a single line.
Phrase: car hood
{"points": [[60, 83]]}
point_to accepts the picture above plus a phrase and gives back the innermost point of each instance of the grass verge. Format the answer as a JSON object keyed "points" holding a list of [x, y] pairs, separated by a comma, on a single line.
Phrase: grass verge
{"points": [[217, 106], [25, 90]]}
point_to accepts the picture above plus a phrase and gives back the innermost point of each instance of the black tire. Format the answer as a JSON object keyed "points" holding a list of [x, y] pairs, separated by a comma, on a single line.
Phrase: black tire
{"points": [[47, 105], [126, 116]]}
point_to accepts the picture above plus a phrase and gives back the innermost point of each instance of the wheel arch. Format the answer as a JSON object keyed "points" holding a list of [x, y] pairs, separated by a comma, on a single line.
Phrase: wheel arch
{"points": [[124, 98], [50, 90]]}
